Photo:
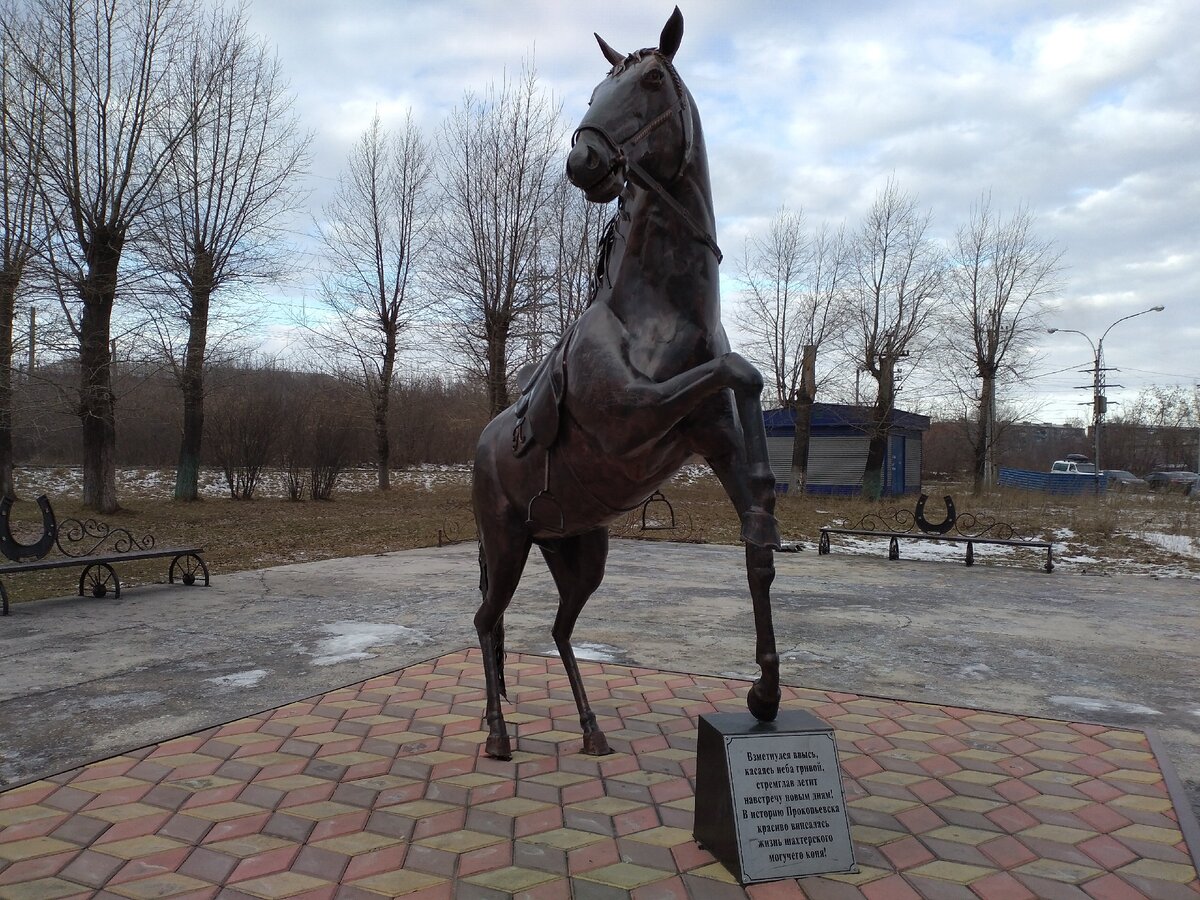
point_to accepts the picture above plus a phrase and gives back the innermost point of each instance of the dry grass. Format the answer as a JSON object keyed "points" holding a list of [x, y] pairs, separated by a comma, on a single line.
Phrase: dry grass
{"points": [[240, 535]]}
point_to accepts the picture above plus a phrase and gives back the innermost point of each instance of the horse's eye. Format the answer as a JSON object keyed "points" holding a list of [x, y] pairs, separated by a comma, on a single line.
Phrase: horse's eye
{"points": [[653, 78]]}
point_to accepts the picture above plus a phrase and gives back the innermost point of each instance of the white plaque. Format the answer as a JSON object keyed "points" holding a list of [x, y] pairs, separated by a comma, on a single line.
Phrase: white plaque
{"points": [[788, 805]]}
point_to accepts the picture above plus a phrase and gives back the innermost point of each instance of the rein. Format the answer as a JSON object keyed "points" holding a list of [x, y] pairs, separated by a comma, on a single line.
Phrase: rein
{"points": [[621, 159]]}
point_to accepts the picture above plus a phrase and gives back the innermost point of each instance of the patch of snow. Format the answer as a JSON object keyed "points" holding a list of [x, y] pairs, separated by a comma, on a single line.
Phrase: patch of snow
{"points": [[1078, 559], [1063, 534], [130, 698], [349, 641], [1093, 705], [976, 671], [596, 652], [248, 678], [1174, 543]]}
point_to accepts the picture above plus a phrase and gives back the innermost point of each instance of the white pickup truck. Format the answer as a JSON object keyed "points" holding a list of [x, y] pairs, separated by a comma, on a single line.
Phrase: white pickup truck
{"points": [[1073, 467]]}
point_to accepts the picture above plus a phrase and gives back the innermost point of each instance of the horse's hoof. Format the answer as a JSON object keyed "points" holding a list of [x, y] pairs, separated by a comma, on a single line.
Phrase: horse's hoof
{"points": [[498, 746], [761, 529], [762, 706], [595, 744]]}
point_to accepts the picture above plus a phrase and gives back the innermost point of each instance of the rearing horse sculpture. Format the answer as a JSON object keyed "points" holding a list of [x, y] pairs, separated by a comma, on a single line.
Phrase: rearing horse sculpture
{"points": [[640, 382]]}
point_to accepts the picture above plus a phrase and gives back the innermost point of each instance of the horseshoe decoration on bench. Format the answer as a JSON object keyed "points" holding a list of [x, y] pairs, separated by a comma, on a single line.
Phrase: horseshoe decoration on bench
{"points": [[17, 551], [939, 527]]}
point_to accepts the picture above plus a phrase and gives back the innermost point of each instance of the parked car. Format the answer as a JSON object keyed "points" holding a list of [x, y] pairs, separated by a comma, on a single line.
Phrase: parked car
{"points": [[1173, 480], [1070, 466], [1124, 480]]}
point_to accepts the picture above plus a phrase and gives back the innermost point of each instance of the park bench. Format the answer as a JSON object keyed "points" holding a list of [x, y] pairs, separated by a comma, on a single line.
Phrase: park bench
{"points": [[93, 545], [965, 528]]}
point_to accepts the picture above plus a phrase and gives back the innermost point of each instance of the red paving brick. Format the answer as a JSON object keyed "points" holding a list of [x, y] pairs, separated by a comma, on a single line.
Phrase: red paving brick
{"points": [[336, 796]]}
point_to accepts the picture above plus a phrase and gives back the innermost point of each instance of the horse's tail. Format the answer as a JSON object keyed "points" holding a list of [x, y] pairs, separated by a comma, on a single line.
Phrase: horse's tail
{"points": [[498, 630]]}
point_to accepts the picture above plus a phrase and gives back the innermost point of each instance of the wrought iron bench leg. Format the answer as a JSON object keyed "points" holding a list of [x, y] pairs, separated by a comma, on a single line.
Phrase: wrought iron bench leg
{"points": [[98, 583], [4, 597], [1049, 559], [970, 553], [893, 549], [187, 564]]}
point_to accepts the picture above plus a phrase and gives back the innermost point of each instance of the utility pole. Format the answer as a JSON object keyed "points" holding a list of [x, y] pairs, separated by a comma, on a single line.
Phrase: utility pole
{"points": [[1099, 385]]}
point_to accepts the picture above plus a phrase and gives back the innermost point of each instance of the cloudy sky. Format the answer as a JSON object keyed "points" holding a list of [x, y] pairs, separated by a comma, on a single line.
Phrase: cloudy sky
{"points": [[1086, 110]]}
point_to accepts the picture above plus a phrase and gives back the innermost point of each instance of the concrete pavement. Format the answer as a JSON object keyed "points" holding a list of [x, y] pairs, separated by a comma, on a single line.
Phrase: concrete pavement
{"points": [[84, 679]]}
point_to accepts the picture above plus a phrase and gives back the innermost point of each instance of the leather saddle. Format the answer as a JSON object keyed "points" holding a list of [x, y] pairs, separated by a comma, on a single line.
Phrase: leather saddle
{"points": [[538, 410]]}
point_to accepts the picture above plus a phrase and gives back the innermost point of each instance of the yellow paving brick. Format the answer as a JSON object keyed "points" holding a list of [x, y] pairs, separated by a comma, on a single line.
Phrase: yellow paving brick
{"points": [[1058, 833], [42, 889], [17, 815], [398, 883], [223, 812], [875, 837], [461, 841], [564, 838], [262, 760], [246, 739], [1163, 871], [202, 783], [357, 842], [959, 873], [30, 848], [864, 875], [901, 778], [419, 809], [511, 879], [115, 783], [123, 812], [1058, 737], [1057, 870], [1119, 755], [889, 805], [972, 777], [625, 876], [607, 806], [1135, 738], [1052, 801], [384, 782], [980, 755], [960, 834], [436, 757], [325, 737], [662, 836], [353, 758], [471, 780], [969, 804], [136, 848], [1143, 804], [248, 845], [280, 885], [980, 719], [645, 779], [513, 806], [1170, 836], [1058, 777], [1056, 756], [167, 884], [1133, 775], [559, 779], [290, 782]]}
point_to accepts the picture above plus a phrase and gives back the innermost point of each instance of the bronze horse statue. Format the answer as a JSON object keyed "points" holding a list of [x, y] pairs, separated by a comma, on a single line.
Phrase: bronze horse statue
{"points": [[640, 382]]}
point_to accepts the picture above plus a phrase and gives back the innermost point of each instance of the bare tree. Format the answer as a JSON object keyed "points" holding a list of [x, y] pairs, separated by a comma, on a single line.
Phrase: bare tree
{"points": [[1000, 277], [895, 291], [376, 230], [499, 169], [22, 232], [110, 73], [794, 300], [576, 225], [221, 202]]}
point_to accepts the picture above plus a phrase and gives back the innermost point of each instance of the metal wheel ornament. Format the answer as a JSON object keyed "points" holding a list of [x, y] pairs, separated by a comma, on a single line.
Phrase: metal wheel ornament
{"points": [[187, 568], [98, 580]]}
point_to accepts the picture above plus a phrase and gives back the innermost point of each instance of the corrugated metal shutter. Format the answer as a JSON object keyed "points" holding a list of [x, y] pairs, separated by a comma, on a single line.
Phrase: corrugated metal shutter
{"points": [[837, 460], [779, 454], [912, 464]]}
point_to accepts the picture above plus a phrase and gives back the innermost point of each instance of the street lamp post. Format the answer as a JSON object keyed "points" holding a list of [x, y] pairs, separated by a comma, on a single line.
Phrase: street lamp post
{"points": [[1099, 401]]}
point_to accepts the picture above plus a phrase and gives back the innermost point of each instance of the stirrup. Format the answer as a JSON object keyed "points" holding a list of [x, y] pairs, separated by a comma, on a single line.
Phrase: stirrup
{"points": [[655, 498]]}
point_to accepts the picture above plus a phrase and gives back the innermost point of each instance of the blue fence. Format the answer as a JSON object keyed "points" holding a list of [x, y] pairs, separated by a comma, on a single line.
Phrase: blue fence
{"points": [[1051, 482]]}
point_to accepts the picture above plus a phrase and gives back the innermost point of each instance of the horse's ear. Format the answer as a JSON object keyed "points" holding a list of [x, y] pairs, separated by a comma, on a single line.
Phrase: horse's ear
{"points": [[610, 54], [672, 34]]}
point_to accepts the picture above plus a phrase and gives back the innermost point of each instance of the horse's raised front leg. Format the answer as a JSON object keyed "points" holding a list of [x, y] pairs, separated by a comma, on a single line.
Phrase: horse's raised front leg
{"points": [[729, 464], [502, 555], [577, 564]]}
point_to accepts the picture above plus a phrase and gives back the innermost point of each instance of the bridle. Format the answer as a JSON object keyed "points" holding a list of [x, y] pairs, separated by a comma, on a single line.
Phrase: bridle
{"points": [[619, 147]]}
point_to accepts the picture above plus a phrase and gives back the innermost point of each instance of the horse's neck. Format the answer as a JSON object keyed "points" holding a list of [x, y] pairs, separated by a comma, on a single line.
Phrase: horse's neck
{"points": [[664, 261]]}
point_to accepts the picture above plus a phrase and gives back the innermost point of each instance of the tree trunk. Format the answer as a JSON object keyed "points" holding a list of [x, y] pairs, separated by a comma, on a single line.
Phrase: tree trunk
{"points": [[873, 479], [8, 296], [987, 437], [803, 409], [497, 381], [97, 406], [191, 383]]}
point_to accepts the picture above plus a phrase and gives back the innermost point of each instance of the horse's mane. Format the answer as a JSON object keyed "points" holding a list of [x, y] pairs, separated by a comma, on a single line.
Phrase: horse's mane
{"points": [[608, 237]]}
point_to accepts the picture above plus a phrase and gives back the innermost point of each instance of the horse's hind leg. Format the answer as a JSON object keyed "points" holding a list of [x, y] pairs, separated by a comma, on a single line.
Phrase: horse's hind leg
{"points": [[577, 564], [502, 556]]}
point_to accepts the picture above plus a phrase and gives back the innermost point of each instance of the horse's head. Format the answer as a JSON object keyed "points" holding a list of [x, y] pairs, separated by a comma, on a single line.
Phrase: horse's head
{"points": [[639, 120]]}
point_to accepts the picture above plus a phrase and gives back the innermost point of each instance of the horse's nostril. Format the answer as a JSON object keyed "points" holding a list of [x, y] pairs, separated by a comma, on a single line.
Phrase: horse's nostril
{"points": [[591, 160]]}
